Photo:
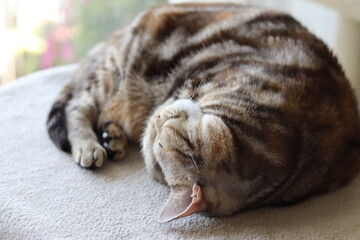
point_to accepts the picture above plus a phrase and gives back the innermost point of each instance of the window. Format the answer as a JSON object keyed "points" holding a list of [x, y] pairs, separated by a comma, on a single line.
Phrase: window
{"points": [[40, 34]]}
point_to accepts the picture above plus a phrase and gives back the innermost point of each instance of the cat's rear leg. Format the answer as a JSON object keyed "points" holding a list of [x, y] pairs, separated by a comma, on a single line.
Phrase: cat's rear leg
{"points": [[113, 139], [82, 117]]}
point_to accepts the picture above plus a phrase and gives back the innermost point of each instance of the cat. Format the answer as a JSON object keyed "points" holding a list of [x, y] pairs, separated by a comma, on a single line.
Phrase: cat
{"points": [[236, 108]]}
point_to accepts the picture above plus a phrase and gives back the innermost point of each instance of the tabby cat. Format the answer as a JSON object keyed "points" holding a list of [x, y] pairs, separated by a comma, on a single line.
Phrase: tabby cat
{"points": [[236, 108]]}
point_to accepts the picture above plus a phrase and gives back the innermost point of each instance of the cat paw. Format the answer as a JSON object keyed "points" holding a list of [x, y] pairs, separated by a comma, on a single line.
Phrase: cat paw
{"points": [[113, 139], [89, 154]]}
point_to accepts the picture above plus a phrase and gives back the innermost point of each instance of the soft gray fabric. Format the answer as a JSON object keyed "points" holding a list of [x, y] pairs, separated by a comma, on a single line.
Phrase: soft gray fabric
{"points": [[45, 195]]}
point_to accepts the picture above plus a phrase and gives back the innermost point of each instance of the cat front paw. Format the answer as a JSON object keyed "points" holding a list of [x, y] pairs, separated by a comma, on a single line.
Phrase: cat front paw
{"points": [[89, 154], [113, 139]]}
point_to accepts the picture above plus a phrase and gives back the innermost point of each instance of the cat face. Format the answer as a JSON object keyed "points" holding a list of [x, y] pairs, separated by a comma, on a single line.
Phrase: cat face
{"points": [[195, 153]]}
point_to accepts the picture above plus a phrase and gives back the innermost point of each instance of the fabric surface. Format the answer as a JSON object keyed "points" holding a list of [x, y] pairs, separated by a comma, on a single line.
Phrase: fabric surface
{"points": [[45, 195]]}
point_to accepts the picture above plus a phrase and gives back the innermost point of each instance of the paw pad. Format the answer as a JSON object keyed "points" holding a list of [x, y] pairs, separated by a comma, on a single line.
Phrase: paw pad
{"points": [[114, 141]]}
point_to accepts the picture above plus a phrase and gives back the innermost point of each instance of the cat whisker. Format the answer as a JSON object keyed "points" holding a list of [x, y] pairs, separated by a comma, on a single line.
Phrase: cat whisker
{"points": [[192, 158], [139, 171], [181, 178], [197, 89], [186, 75], [184, 84]]}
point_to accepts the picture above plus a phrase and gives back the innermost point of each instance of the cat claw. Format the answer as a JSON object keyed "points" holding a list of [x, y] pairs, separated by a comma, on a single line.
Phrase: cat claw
{"points": [[105, 135]]}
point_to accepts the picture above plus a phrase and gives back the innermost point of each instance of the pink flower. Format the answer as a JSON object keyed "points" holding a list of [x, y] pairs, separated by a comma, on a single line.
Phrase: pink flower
{"points": [[48, 58], [61, 33], [67, 51]]}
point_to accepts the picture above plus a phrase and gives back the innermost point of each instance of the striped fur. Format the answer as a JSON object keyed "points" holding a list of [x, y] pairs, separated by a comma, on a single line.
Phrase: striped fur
{"points": [[243, 101]]}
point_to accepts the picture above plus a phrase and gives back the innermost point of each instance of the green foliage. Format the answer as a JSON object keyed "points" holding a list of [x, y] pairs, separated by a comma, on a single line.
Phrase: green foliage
{"points": [[93, 22], [86, 23]]}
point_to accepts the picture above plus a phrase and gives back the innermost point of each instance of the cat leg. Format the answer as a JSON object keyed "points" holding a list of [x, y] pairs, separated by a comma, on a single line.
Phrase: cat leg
{"points": [[113, 139], [82, 117]]}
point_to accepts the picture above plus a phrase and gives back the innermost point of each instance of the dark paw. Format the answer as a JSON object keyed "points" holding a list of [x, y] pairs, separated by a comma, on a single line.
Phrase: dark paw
{"points": [[113, 139]]}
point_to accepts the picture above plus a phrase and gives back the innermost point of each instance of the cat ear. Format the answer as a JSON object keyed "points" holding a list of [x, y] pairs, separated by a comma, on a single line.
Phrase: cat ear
{"points": [[183, 202]]}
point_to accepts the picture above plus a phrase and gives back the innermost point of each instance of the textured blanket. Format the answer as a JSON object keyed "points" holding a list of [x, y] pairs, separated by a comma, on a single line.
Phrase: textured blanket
{"points": [[45, 195]]}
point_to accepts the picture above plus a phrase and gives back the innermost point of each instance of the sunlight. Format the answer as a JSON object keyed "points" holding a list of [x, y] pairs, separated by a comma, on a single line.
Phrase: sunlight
{"points": [[41, 34], [22, 37]]}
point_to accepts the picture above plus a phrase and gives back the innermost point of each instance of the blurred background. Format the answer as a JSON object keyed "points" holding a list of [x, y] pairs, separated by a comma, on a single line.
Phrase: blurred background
{"points": [[40, 34]]}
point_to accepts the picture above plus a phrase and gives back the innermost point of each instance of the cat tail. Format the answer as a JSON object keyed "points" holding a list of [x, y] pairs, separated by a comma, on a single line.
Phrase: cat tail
{"points": [[56, 122]]}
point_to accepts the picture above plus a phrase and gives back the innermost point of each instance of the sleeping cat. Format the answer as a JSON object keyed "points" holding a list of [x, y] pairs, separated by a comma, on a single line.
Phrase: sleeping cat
{"points": [[236, 108]]}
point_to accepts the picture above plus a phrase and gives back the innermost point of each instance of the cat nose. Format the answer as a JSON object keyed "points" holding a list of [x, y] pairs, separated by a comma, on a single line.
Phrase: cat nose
{"points": [[163, 117], [158, 121]]}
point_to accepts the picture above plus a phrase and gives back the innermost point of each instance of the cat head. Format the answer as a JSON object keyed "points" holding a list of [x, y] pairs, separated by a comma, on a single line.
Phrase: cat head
{"points": [[195, 153]]}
